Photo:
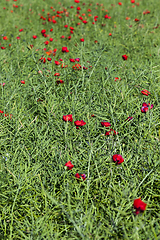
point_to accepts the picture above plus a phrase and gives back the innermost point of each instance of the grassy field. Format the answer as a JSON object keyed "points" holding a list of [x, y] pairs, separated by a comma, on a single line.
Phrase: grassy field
{"points": [[63, 62]]}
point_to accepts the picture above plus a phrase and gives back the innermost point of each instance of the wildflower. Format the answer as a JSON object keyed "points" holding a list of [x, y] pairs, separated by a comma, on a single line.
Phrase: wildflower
{"points": [[105, 124], [136, 20], [69, 165], [43, 31], [79, 123], [2, 84], [110, 34], [77, 59], [110, 131], [51, 39], [62, 36], [77, 175], [82, 39], [139, 205], [85, 22], [129, 119], [145, 92], [124, 57], [120, 3], [46, 42], [67, 118], [34, 36], [117, 158], [72, 60], [64, 49], [57, 74], [49, 59], [116, 78], [1, 111], [57, 62], [77, 66], [18, 38], [66, 26], [5, 38], [59, 81], [23, 82], [145, 107]]}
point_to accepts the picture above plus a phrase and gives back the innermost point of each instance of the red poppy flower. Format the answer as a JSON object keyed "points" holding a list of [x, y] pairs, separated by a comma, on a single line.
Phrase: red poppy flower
{"points": [[110, 34], [23, 82], [119, 3], [51, 39], [116, 78], [77, 59], [59, 81], [2, 84], [21, 30], [42, 59], [57, 74], [57, 63], [129, 118], [105, 124], [85, 22], [139, 205], [34, 36], [145, 107], [132, 1], [18, 38], [77, 66], [5, 38], [3, 48], [72, 60], [110, 131], [76, 1], [69, 165], [124, 57], [67, 118], [117, 158], [145, 92], [1, 111], [46, 42], [77, 175], [49, 59], [43, 31], [136, 20], [64, 49], [51, 30], [79, 123], [82, 39]]}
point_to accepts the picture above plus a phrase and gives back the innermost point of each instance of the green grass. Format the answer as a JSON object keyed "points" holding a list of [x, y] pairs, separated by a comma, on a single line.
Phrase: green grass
{"points": [[39, 197]]}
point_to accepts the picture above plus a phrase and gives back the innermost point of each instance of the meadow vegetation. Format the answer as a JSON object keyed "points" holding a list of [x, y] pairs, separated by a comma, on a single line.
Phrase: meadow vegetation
{"points": [[79, 119]]}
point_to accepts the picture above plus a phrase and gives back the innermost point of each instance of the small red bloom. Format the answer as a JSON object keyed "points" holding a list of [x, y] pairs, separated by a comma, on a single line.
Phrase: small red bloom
{"points": [[77, 175], [69, 165], [5, 38], [64, 49], [57, 63], [116, 78], [117, 158], [67, 118], [79, 123], [105, 124], [110, 131], [49, 59], [72, 60], [21, 30], [85, 22], [124, 57], [119, 3], [18, 38], [34, 36], [3, 47], [139, 205], [66, 26], [129, 118], [110, 34], [46, 42], [145, 107], [136, 20], [57, 74], [23, 82], [59, 81], [82, 39], [1, 111], [51, 39], [132, 1], [43, 31], [145, 92]]}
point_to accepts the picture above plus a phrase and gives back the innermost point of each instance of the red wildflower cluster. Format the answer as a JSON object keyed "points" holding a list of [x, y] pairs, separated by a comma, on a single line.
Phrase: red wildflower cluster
{"points": [[67, 118], [79, 123], [124, 57], [145, 107], [117, 158], [69, 165], [145, 92], [83, 176], [139, 205]]}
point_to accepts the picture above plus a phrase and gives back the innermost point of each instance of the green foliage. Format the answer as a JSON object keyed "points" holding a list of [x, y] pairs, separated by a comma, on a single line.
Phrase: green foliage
{"points": [[39, 198]]}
